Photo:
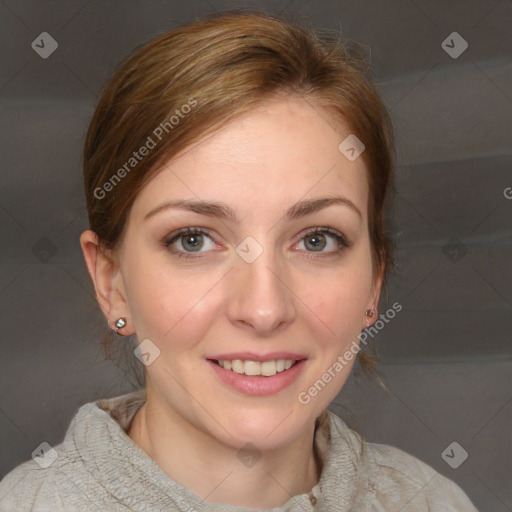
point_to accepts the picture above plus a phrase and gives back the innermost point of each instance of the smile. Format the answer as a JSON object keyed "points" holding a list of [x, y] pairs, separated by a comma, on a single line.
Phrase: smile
{"points": [[266, 368], [255, 382]]}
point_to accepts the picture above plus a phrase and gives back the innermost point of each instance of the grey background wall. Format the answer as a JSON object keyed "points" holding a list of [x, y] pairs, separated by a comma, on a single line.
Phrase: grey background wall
{"points": [[446, 356]]}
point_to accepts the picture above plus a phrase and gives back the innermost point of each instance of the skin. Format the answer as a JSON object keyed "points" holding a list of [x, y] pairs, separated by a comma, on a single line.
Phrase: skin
{"points": [[290, 298]]}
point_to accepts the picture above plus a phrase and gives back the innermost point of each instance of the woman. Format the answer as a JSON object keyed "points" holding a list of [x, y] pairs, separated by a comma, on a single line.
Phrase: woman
{"points": [[236, 174]]}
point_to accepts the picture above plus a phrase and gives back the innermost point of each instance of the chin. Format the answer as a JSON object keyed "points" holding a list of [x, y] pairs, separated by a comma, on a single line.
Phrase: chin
{"points": [[266, 429]]}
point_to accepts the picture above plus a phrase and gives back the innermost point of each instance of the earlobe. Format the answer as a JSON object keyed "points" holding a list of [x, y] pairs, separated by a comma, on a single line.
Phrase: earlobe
{"points": [[105, 276], [371, 314]]}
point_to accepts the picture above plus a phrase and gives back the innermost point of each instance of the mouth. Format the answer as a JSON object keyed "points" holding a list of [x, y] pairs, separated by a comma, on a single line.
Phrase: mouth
{"points": [[256, 368], [257, 378]]}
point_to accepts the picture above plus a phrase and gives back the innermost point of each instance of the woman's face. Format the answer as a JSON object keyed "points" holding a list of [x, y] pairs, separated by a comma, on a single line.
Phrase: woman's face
{"points": [[254, 281]]}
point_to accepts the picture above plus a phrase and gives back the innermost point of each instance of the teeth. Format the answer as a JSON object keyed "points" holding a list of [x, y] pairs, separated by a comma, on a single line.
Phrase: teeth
{"points": [[267, 368]]}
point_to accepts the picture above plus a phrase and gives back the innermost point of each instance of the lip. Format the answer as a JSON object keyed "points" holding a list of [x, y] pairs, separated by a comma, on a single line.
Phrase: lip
{"points": [[251, 356], [258, 385]]}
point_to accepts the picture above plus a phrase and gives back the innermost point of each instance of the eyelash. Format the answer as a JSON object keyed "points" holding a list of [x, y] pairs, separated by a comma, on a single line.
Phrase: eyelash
{"points": [[341, 240]]}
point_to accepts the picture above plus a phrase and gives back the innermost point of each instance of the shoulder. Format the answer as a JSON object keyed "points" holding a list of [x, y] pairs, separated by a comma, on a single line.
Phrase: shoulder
{"points": [[400, 478], [392, 479], [59, 480], [30, 486], [24, 487]]}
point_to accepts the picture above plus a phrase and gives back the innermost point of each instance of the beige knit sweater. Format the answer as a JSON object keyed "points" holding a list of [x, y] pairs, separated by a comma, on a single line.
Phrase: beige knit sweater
{"points": [[99, 468]]}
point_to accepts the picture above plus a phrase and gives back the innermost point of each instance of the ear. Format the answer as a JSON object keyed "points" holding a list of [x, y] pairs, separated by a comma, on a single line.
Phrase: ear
{"points": [[374, 299], [107, 278]]}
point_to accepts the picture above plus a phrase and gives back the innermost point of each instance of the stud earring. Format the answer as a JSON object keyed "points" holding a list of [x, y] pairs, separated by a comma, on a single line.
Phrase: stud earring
{"points": [[119, 323], [370, 312]]}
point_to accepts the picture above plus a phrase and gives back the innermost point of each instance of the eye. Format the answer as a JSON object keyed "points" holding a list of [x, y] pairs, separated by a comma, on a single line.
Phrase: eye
{"points": [[185, 242], [318, 239], [189, 240]]}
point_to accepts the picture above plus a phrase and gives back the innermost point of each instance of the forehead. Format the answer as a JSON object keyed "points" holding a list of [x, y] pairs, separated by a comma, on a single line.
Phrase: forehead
{"points": [[274, 155]]}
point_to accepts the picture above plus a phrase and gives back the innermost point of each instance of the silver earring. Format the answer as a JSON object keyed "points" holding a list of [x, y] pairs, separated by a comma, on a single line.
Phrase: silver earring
{"points": [[370, 312], [119, 323]]}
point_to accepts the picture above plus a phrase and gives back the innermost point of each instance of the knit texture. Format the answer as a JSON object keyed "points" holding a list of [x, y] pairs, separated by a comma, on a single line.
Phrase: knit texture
{"points": [[99, 468]]}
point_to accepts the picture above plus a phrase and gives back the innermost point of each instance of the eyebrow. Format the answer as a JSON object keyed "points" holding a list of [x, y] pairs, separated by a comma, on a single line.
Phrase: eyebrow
{"points": [[223, 211]]}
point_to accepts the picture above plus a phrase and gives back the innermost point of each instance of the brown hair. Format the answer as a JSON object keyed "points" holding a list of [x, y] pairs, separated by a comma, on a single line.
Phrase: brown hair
{"points": [[189, 82]]}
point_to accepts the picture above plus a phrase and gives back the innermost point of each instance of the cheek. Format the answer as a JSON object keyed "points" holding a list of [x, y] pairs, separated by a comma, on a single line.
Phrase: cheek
{"points": [[343, 314], [171, 306], [340, 305]]}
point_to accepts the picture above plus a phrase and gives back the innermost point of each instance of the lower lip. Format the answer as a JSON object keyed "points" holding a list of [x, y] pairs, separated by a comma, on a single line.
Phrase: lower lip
{"points": [[258, 384]]}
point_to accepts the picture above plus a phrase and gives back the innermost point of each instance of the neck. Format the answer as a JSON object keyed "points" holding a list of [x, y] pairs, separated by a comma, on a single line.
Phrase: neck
{"points": [[213, 471]]}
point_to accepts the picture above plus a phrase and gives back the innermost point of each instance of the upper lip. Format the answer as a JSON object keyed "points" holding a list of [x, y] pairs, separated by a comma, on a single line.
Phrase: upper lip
{"points": [[251, 356]]}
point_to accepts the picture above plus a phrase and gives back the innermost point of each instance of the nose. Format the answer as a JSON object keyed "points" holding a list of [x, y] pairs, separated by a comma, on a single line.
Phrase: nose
{"points": [[260, 298]]}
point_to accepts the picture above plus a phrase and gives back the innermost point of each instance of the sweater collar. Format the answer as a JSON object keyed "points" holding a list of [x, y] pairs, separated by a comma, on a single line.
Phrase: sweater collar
{"points": [[118, 464]]}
